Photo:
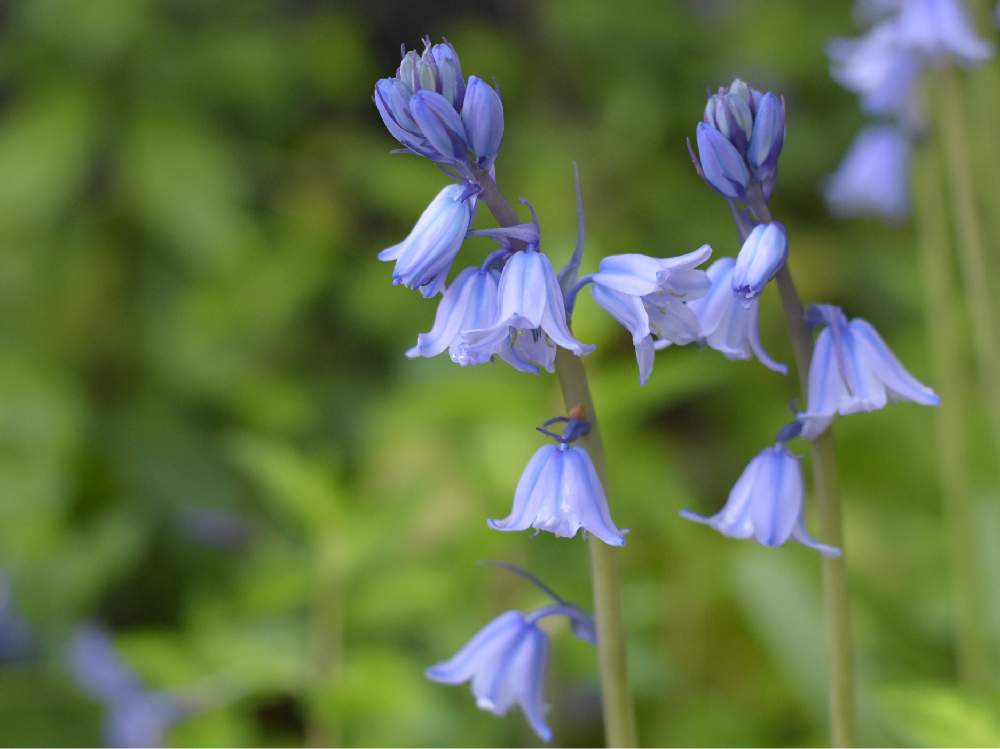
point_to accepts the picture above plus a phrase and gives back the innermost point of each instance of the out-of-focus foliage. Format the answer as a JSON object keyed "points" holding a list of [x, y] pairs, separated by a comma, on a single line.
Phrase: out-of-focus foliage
{"points": [[211, 442]]}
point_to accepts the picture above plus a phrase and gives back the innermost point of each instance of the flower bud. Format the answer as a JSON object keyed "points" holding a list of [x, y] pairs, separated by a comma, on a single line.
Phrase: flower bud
{"points": [[763, 254], [440, 124], [451, 85], [722, 166], [767, 138], [392, 99], [482, 114]]}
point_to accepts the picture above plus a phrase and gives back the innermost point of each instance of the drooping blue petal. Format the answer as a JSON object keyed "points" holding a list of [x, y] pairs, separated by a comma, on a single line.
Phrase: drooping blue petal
{"points": [[479, 651], [900, 384], [722, 165], [873, 178], [469, 302], [625, 308], [482, 114], [532, 662], [632, 274]]}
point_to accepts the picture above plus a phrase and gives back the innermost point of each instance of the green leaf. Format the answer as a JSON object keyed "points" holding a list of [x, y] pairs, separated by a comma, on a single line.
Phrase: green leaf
{"points": [[939, 715]]}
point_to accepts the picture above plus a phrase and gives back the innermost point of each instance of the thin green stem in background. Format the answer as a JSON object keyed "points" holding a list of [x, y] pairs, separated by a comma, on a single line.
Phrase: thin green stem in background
{"points": [[616, 693], [836, 601], [971, 254], [944, 336]]}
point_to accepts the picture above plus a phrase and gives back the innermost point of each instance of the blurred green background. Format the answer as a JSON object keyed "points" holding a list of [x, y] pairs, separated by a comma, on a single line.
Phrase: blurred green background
{"points": [[211, 442]]}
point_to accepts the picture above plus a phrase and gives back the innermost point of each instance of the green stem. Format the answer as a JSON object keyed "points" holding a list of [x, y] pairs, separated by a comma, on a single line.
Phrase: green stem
{"points": [[972, 256], [836, 601], [325, 637], [944, 331], [616, 695]]}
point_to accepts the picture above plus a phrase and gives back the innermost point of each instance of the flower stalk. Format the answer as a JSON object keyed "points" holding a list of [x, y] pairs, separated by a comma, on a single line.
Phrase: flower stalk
{"points": [[836, 601], [971, 633], [618, 707]]}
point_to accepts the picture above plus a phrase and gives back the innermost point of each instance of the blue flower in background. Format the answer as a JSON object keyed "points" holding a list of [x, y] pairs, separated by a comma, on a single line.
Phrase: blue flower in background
{"points": [[424, 258], [766, 503], [880, 69], [853, 371], [728, 323], [940, 30], [134, 717], [874, 176], [16, 640], [560, 491], [763, 254], [649, 296], [531, 316]]}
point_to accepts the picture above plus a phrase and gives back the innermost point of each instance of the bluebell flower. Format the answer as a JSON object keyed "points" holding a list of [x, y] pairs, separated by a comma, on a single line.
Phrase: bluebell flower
{"points": [[722, 165], [941, 30], [560, 492], [436, 71], [531, 316], [728, 323], [766, 503], [506, 662], [215, 527], [853, 371], [763, 254], [424, 258], [16, 638], [648, 297], [482, 115], [881, 69], [134, 717], [873, 178], [469, 303]]}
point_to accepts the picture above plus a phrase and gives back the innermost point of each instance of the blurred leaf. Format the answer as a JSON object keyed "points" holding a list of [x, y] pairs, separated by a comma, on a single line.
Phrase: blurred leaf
{"points": [[939, 715]]}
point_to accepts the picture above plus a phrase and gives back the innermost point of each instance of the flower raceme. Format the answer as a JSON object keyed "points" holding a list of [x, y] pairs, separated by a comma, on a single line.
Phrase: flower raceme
{"points": [[853, 371], [424, 258], [648, 297], [431, 111], [560, 491], [728, 323], [766, 503], [506, 662]]}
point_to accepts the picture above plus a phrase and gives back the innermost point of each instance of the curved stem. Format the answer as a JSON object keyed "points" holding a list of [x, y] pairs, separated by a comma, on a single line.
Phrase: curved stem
{"points": [[619, 711], [944, 333], [836, 601]]}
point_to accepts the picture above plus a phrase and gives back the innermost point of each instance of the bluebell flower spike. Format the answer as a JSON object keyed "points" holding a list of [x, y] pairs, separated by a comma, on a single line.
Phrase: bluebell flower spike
{"points": [[766, 504], [650, 296], [763, 254], [424, 258], [853, 371], [560, 492]]}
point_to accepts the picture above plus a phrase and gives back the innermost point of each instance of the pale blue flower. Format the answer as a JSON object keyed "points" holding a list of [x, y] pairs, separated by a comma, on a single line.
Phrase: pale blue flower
{"points": [[728, 323], [560, 492], [852, 371], [941, 30], [482, 114], [531, 317], [881, 69], [873, 178], [469, 303], [424, 258], [649, 296], [763, 254], [766, 503]]}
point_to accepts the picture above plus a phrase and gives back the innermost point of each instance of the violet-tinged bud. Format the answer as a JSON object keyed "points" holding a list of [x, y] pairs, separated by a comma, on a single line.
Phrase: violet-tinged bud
{"points": [[852, 371], [392, 99], [727, 323], [730, 114], [560, 492], [441, 125], [766, 503], [450, 83], [763, 254], [767, 138], [649, 297], [722, 165], [425, 256], [482, 114]]}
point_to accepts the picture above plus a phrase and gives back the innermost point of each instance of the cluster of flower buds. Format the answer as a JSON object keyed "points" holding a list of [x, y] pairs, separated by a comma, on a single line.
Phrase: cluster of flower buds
{"points": [[431, 110], [884, 67], [740, 140]]}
